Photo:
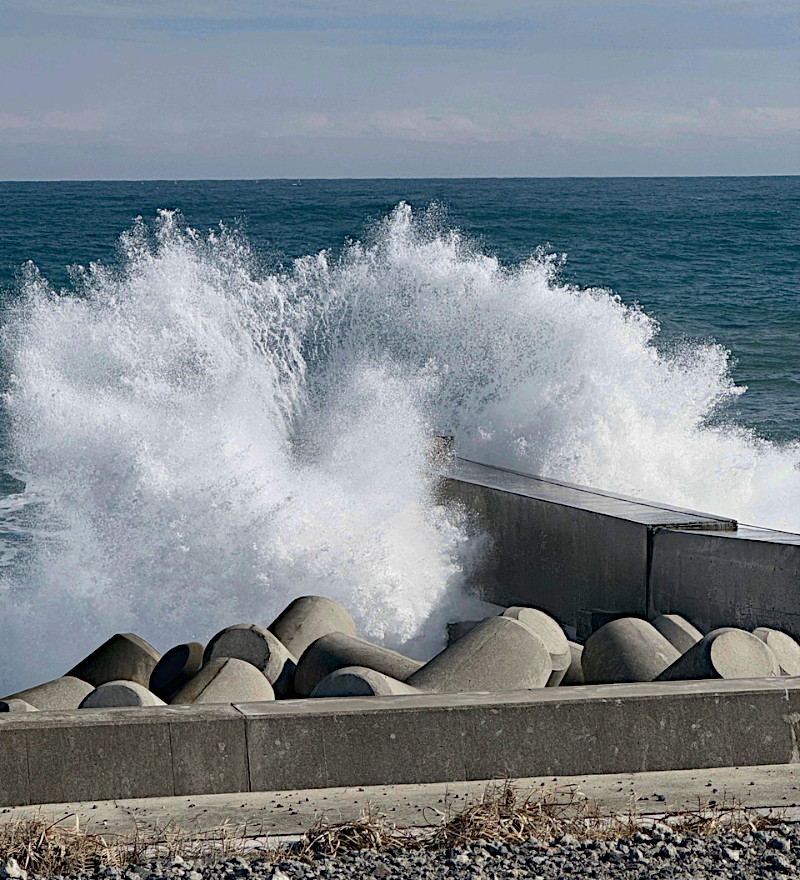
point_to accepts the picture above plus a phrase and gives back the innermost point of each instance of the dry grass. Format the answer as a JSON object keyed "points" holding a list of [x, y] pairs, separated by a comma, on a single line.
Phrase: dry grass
{"points": [[48, 848], [503, 813], [508, 815]]}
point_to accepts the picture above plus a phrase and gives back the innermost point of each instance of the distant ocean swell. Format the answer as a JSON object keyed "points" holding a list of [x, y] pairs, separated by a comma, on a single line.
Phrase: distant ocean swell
{"points": [[202, 440]]}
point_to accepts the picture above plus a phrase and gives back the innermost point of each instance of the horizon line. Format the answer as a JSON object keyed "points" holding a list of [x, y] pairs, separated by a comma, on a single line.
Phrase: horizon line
{"points": [[390, 177]]}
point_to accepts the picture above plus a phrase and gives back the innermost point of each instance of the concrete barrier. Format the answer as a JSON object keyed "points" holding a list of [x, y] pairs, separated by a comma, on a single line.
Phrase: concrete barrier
{"points": [[54, 757], [563, 547], [570, 549], [746, 578]]}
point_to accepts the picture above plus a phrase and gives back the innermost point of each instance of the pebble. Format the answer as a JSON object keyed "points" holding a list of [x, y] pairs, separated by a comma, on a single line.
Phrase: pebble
{"points": [[656, 853]]}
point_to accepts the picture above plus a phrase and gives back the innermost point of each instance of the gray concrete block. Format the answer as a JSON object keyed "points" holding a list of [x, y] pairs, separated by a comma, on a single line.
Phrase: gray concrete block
{"points": [[124, 657], [103, 754], [562, 547], [498, 654], [459, 628], [66, 692], [120, 693], [209, 750], [636, 727], [783, 646], [175, 669], [624, 650], [551, 634], [746, 578], [14, 787], [260, 648], [358, 681], [353, 741], [338, 650], [14, 704], [225, 680], [308, 618], [678, 631], [275, 742], [724, 653], [574, 675]]}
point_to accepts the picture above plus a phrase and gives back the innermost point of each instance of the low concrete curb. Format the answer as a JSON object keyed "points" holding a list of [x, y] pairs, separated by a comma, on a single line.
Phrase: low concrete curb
{"points": [[170, 751], [774, 788]]}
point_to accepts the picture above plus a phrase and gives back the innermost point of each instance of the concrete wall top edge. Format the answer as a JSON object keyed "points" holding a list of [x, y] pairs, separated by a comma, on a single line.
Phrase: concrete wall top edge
{"points": [[750, 533], [583, 497], [119, 715], [402, 703]]}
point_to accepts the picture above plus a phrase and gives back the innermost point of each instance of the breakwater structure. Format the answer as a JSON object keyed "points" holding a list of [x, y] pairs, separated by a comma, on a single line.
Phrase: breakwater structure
{"points": [[503, 700]]}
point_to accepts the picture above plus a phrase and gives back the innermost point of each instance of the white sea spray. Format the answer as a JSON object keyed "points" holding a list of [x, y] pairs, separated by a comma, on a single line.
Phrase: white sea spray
{"points": [[205, 440]]}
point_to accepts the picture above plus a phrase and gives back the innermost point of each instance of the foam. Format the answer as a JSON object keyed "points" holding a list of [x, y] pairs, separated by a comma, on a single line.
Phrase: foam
{"points": [[207, 440]]}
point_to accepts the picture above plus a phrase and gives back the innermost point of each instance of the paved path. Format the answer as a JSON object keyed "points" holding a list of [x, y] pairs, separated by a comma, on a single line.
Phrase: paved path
{"points": [[287, 813]]}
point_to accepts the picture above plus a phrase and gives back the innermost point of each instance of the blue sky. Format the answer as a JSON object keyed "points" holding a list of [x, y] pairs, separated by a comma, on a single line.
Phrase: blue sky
{"points": [[234, 88]]}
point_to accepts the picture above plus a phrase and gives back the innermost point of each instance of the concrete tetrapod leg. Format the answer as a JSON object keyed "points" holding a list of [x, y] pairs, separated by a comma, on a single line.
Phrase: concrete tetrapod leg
{"points": [[724, 653], [14, 704], [259, 647], [124, 657], [337, 650], [66, 692], [783, 646], [308, 618], [551, 634], [626, 649], [120, 693], [574, 675], [175, 668], [225, 680], [358, 681], [459, 628], [677, 631], [499, 654]]}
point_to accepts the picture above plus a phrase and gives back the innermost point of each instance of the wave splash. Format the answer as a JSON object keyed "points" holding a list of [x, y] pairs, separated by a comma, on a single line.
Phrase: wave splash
{"points": [[205, 440]]}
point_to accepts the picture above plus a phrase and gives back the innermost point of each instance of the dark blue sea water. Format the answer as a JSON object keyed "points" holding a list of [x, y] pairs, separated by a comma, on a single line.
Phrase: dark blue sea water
{"points": [[709, 258], [201, 421]]}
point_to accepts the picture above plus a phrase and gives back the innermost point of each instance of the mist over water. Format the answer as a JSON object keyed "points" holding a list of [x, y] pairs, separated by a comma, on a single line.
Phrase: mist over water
{"points": [[203, 440]]}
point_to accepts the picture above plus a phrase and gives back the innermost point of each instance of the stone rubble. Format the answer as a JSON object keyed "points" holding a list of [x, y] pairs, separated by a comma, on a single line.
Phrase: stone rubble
{"points": [[660, 854]]}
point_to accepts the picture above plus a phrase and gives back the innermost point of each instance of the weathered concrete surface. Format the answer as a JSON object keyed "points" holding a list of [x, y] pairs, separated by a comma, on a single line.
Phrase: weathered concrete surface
{"points": [[224, 680], [66, 692], [337, 650], [626, 649], [499, 654], [259, 647], [746, 578], [574, 674], [125, 656], [292, 812], [121, 753], [724, 653], [559, 546], [15, 704], [359, 681], [120, 693], [176, 668], [678, 631], [616, 728], [551, 634], [783, 646], [308, 618]]}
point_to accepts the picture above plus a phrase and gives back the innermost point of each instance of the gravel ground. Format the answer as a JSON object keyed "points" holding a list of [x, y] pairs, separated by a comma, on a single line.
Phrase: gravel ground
{"points": [[657, 853]]}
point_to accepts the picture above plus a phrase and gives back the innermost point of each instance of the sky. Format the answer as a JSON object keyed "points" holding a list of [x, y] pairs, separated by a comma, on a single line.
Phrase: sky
{"points": [[137, 89]]}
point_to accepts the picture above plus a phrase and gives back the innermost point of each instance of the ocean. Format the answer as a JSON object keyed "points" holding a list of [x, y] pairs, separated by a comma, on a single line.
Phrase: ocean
{"points": [[219, 395]]}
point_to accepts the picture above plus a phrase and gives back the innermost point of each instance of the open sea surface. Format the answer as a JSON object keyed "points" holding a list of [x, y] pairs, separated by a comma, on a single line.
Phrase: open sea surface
{"points": [[218, 395]]}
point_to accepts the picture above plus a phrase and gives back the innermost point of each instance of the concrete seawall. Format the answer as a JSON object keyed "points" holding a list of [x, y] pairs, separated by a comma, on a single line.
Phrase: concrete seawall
{"points": [[167, 751], [565, 548]]}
